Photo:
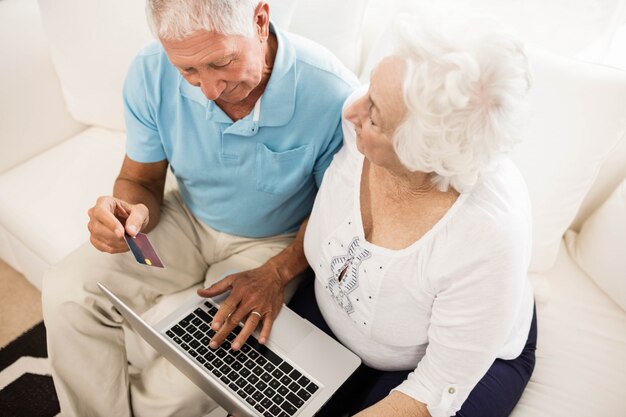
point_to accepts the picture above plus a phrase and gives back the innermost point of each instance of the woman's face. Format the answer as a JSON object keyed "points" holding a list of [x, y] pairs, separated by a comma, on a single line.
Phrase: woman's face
{"points": [[378, 113]]}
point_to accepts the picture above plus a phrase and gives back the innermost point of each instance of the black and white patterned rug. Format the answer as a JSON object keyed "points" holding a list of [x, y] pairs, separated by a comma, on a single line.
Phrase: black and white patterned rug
{"points": [[26, 387]]}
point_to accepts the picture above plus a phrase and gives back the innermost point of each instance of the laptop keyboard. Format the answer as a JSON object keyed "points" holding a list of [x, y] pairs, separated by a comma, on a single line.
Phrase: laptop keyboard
{"points": [[255, 373]]}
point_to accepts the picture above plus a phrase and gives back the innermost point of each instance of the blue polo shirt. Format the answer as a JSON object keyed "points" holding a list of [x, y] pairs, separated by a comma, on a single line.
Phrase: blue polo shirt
{"points": [[258, 176]]}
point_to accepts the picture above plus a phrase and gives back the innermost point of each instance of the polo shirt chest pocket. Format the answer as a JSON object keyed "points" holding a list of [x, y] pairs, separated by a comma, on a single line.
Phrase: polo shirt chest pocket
{"points": [[283, 172]]}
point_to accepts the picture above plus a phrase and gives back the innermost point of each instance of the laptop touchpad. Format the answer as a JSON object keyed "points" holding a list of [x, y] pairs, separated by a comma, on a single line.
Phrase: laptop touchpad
{"points": [[289, 330]]}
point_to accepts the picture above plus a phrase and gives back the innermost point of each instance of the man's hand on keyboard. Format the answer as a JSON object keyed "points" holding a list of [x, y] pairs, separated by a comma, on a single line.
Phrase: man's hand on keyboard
{"points": [[255, 296]]}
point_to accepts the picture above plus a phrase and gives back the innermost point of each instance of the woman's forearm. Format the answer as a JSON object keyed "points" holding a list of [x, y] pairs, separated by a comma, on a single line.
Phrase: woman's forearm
{"points": [[396, 404]]}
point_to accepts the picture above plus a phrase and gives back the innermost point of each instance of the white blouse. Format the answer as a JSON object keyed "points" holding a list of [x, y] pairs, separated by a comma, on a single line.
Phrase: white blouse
{"points": [[446, 306]]}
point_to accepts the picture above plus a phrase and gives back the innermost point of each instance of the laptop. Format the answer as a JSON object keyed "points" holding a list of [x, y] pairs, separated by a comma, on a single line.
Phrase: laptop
{"points": [[293, 374]]}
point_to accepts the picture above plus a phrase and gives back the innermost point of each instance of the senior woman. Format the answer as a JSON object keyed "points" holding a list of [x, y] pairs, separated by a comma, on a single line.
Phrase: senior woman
{"points": [[420, 234]]}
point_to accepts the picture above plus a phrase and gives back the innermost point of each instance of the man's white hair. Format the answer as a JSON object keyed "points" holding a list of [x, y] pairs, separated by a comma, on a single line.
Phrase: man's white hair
{"points": [[177, 19], [465, 90]]}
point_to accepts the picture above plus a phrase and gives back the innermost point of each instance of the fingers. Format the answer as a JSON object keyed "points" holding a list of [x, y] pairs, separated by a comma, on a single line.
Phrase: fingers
{"points": [[250, 324], [227, 308], [251, 291], [268, 321], [137, 217], [121, 210], [108, 220], [104, 213], [218, 288], [103, 246], [106, 231]]}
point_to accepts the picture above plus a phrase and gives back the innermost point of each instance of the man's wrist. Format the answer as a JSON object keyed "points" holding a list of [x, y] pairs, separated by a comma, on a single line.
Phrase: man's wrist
{"points": [[288, 264]]}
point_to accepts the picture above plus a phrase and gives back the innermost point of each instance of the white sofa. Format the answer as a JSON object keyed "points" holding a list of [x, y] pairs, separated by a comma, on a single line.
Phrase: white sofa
{"points": [[62, 143]]}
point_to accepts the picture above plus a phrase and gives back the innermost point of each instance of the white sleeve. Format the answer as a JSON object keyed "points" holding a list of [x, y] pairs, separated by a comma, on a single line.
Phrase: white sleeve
{"points": [[477, 298]]}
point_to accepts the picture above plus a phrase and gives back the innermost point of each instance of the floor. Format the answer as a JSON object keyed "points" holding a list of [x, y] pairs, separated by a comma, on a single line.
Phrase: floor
{"points": [[20, 304], [20, 309]]}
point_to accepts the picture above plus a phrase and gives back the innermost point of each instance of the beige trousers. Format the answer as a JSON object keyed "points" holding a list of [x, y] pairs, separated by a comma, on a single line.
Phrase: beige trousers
{"points": [[85, 333]]}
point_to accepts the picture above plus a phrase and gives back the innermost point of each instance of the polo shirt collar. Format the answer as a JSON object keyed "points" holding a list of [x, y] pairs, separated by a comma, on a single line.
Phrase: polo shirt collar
{"points": [[279, 98], [278, 102]]}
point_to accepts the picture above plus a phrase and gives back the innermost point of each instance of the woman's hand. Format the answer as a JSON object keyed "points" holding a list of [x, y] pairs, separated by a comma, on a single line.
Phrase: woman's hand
{"points": [[396, 404]]}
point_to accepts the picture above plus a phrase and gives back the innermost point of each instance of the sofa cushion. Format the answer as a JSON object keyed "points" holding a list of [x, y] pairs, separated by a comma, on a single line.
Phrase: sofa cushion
{"points": [[93, 43], [581, 349], [577, 115], [599, 247], [45, 200]]}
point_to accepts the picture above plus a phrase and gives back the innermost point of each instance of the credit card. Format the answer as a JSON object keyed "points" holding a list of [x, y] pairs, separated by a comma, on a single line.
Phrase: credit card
{"points": [[143, 251]]}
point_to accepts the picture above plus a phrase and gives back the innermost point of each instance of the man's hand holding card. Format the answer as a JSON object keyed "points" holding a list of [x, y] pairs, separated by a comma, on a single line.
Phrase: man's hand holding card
{"points": [[110, 219]]}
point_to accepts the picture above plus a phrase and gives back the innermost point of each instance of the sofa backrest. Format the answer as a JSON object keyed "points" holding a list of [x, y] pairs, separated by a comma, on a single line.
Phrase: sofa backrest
{"points": [[33, 117], [578, 110], [577, 29], [93, 42], [577, 119], [612, 172]]}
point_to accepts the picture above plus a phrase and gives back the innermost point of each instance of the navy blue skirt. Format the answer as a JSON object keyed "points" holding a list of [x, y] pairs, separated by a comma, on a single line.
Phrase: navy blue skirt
{"points": [[495, 395]]}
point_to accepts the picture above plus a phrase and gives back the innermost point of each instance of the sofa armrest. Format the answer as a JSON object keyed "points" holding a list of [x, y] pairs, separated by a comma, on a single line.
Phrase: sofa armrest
{"points": [[33, 117]]}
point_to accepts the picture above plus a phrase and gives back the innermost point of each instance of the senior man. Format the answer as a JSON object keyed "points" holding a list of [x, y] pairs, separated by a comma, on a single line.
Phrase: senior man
{"points": [[248, 119]]}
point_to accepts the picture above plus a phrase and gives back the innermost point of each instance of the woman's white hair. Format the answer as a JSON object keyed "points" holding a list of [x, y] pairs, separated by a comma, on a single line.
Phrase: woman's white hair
{"points": [[465, 90], [177, 19]]}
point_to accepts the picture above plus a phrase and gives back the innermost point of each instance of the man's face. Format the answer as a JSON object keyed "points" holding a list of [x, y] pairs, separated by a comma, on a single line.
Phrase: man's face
{"points": [[226, 68]]}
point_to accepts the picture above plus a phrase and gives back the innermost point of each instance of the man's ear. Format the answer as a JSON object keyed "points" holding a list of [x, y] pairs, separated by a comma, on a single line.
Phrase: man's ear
{"points": [[262, 20]]}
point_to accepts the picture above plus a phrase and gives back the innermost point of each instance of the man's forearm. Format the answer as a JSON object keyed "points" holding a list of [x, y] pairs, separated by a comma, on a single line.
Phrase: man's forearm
{"points": [[291, 262]]}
